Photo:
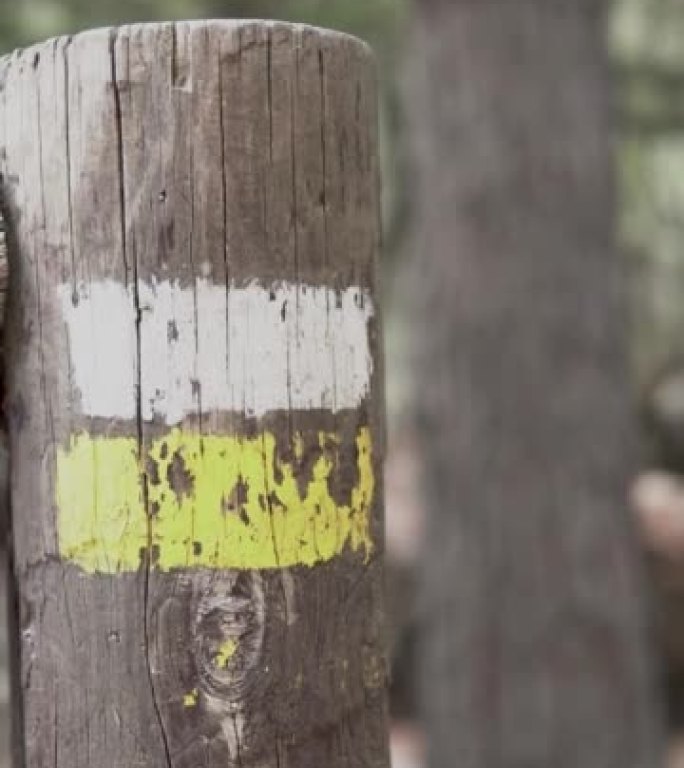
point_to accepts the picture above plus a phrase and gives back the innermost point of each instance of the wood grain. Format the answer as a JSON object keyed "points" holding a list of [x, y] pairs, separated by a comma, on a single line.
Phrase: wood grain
{"points": [[238, 154]]}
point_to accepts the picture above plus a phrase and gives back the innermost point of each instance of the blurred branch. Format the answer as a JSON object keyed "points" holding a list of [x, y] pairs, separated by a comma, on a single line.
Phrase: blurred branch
{"points": [[650, 99], [651, 127], [651, 76]]}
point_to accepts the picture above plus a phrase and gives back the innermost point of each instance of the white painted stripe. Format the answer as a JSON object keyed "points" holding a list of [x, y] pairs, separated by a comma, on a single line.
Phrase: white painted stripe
{"points": [[250, 349]]}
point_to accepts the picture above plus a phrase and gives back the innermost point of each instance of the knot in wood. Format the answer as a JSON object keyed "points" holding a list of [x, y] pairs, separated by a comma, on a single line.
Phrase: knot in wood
{"points": [[228, 636]]}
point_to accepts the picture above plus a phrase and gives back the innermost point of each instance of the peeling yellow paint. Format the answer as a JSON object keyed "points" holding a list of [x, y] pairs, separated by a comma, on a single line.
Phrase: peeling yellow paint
{"points": [[298, 444], [190, 699], [225, 654], [214, 502]]}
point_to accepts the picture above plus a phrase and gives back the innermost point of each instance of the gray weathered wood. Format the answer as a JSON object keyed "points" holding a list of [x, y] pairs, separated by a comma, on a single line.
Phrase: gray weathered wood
{"points": [[216, 160], [536, 648]]}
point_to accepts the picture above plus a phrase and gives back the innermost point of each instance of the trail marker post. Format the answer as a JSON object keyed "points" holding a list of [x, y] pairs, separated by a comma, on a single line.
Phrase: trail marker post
{"points": [[195, 398]]}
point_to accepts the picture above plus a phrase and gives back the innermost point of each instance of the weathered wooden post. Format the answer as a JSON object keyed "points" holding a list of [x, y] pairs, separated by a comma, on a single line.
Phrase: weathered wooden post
{"points": [[195, 398]]}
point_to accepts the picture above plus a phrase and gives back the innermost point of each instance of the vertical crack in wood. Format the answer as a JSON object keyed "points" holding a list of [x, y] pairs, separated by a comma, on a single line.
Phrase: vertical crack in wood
{"points": [[324, 205], [268, 501], [67, 150], [269, 83], [41, 165], [293, 129], [224, 193], [269, 103], [49, 416], [146, 563], [238, 746], [324, 159], [120, 155], [174, 55], [295, 222], [197, 384]]}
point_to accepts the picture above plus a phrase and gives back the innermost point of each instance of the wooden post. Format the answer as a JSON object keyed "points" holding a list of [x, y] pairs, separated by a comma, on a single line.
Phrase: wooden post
{"points": [[195, 397]]}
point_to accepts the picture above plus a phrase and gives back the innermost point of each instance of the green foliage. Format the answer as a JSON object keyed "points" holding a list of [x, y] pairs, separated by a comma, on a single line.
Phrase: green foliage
{"points": [[374, 20], [26, 21], [648, 52]]}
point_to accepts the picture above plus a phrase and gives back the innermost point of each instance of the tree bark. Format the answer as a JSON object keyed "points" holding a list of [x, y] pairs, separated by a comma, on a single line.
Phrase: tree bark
{"points": [[195, 398], [536, 636]]}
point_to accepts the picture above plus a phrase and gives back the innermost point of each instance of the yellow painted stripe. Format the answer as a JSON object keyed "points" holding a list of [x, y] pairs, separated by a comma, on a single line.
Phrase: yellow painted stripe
{"points": [[214, 502]]}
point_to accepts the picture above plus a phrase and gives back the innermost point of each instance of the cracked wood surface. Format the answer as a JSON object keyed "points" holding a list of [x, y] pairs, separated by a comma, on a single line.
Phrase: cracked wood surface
{"points": [[241, 156]]}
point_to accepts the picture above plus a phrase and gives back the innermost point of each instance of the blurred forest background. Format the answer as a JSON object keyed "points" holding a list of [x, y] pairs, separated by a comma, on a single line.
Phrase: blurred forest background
{"points": [[647, 50]]}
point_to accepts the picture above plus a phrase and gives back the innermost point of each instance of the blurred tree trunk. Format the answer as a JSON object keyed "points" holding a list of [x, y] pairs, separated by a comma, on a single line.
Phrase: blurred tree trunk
{"points": [[536, 649]]}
